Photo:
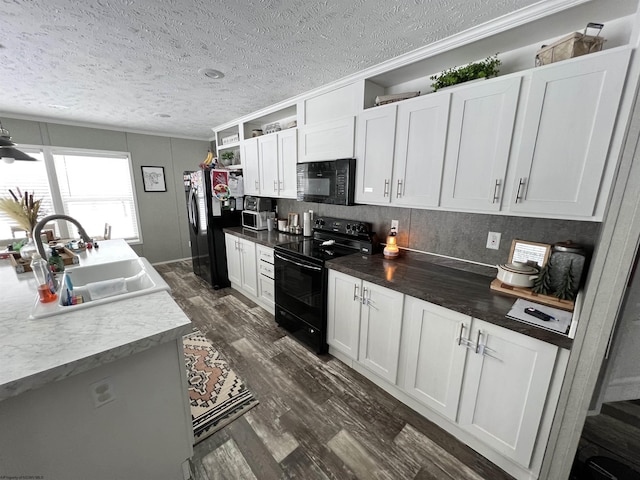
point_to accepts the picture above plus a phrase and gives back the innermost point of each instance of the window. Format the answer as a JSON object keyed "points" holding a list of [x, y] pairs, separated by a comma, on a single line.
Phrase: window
{"points": [[94, 187]]}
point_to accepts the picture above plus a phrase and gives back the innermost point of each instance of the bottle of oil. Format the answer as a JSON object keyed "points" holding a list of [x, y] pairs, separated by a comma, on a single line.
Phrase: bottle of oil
{"points": [[44, 279]]}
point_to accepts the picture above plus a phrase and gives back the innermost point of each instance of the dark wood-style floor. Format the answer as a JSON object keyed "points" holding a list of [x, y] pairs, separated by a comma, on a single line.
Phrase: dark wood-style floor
{"points": [[317, 418]]}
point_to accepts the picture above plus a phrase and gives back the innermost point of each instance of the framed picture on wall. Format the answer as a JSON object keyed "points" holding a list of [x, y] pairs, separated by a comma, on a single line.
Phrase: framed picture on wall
{"points": [[153, 179]]}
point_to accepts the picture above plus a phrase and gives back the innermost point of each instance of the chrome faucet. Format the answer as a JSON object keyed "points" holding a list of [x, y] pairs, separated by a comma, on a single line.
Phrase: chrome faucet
{"points": [[38, 228]]}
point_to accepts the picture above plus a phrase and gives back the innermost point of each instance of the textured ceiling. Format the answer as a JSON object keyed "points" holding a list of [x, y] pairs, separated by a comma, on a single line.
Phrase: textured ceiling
{"points": [[119, 63]]}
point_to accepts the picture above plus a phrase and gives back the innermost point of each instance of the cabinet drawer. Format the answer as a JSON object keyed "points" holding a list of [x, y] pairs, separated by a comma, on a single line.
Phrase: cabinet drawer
{"points": [[266, 269], [266, 288], [265, 254]]}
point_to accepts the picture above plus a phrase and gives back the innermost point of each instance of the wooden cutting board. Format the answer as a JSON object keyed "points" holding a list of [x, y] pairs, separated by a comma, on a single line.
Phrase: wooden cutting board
{"points": [[528, 293]]}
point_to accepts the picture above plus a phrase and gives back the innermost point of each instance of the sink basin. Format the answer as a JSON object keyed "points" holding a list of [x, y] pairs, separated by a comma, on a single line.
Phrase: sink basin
{"points": [[106, 283]]}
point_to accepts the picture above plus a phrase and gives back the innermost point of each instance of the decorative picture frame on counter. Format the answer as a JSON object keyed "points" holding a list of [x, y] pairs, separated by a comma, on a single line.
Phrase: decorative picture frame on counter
{"points": [[153, 179], [525, 251]]}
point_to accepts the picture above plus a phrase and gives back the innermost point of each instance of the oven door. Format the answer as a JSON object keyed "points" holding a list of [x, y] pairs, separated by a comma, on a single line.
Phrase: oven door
{"points": [[300, 288]]}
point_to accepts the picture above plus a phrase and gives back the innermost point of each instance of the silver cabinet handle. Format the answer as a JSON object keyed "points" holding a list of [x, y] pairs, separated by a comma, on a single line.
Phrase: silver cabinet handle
{"points": [[364, 296], [521, 183], [399, 189], [496, 189], [256, 183], [461, 332], [478, 341], [281, 185], [356, 288], [386, 187], [275, 185]]}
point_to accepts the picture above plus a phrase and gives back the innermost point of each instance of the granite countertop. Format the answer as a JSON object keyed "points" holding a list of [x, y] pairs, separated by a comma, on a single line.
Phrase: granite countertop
{"points": [[444, 282], [34, 352], [263, 237]]}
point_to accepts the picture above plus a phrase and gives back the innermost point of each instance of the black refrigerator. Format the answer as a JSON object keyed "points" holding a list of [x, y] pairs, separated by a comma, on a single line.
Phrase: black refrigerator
{"points": [[208, 214]]}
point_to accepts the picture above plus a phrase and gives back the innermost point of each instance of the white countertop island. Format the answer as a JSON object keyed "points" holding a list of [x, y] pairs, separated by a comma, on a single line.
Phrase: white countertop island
{"points": [[50, 368]]}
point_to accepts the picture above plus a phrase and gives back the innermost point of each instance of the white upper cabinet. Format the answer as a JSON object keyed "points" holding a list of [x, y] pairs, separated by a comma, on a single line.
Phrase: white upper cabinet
{"points": [[478, 143], [268, 157], [568, 124], [287, 160], [376, 137], [327, 140], [421, 131], [328, 124], [250, 166]]}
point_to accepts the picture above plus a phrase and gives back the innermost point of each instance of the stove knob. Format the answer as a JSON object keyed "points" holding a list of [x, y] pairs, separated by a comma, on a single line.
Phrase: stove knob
{"points": [[320, 222], [362, 228], [348, 228]]}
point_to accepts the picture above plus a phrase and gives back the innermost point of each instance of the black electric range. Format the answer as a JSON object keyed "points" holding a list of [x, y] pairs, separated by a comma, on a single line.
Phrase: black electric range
{"points": [[301, 277]]}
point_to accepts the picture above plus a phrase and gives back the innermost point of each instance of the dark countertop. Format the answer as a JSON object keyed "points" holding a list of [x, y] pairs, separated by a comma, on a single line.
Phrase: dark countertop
{"points": [[459, 286], [263, 237], [444, 282]]}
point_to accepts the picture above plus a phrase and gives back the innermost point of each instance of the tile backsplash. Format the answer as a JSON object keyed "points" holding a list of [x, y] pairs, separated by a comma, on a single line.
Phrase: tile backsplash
{"points": [[455, 234]]}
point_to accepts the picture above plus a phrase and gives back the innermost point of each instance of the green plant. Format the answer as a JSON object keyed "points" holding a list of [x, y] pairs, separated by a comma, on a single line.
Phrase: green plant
{"points": [[228, 156], [483, 69]]}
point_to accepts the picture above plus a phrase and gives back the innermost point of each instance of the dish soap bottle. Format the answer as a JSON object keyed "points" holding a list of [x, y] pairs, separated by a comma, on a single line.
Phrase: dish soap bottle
{"points": [[44, 279]]}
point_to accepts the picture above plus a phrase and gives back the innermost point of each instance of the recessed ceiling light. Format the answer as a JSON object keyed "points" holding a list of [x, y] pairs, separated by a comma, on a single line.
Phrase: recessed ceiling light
{"points": [[162, 115], [211, 73]]}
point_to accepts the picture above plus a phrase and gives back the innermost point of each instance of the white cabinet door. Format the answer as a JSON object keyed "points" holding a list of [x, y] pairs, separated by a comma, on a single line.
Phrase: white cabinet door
{"points": [[376, 136], [435, 354], [380, 330], [250, 167], [287, 160], [249, 266], [268, 159], [343, 313], [567, 130], [327, 140], [505, 386], [478, 144], [234, 269], [421, 132]]}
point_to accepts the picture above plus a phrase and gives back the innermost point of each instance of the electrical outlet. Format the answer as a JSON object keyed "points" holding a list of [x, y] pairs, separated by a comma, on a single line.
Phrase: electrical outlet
{"points": [[102, 392], [394, 224], [493, 240]]}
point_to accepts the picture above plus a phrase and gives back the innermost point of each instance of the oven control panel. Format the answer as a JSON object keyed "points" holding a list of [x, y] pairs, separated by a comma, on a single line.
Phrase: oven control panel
{"points": [[346, 227]]}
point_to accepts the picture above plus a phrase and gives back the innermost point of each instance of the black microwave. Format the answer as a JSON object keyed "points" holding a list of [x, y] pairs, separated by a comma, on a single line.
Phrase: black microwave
{"points": [[331, 181]]}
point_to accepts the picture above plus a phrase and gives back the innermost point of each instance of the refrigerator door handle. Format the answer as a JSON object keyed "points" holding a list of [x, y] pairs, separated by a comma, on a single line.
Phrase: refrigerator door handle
{"points": [[194, 216]]}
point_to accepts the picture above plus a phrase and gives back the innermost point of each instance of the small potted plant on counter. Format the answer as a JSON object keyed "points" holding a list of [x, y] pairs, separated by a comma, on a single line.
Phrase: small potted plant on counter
{"points": [[483, 69]]}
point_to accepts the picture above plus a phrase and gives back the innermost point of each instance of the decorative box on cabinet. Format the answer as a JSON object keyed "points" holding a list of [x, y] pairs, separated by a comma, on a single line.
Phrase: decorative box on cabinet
{"points": [[568, 123], [478, 143]]}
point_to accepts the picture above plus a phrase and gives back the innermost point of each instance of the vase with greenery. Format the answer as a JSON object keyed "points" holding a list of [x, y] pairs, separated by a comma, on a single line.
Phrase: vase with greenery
{"points": [[23, 210], [227, 158], [483, 69]]}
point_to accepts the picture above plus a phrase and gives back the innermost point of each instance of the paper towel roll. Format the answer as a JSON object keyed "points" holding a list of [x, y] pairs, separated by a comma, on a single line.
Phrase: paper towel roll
{"points": [[306, 225]]}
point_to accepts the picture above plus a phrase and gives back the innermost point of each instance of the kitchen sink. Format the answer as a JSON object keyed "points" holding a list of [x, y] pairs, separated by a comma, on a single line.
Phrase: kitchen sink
{"points": [[101, 284]]}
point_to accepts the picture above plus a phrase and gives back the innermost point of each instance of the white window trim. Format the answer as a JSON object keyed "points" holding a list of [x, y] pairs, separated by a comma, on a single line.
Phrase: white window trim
{"points": [[49, 151]]}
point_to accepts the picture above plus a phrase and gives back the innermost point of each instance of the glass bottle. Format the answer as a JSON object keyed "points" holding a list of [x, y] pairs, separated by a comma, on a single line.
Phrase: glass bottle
{"points": [[44, 279]]}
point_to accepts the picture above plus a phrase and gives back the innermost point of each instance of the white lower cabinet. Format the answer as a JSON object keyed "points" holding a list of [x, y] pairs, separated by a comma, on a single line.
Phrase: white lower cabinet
{"points": [[491, 383], [506, 381], [435, 355], [364, 322], [241, 263]]}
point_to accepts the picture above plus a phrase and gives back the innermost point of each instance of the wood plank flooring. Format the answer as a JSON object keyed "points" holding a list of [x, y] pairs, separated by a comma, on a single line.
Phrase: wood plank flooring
{"points": [[317, 418]]}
